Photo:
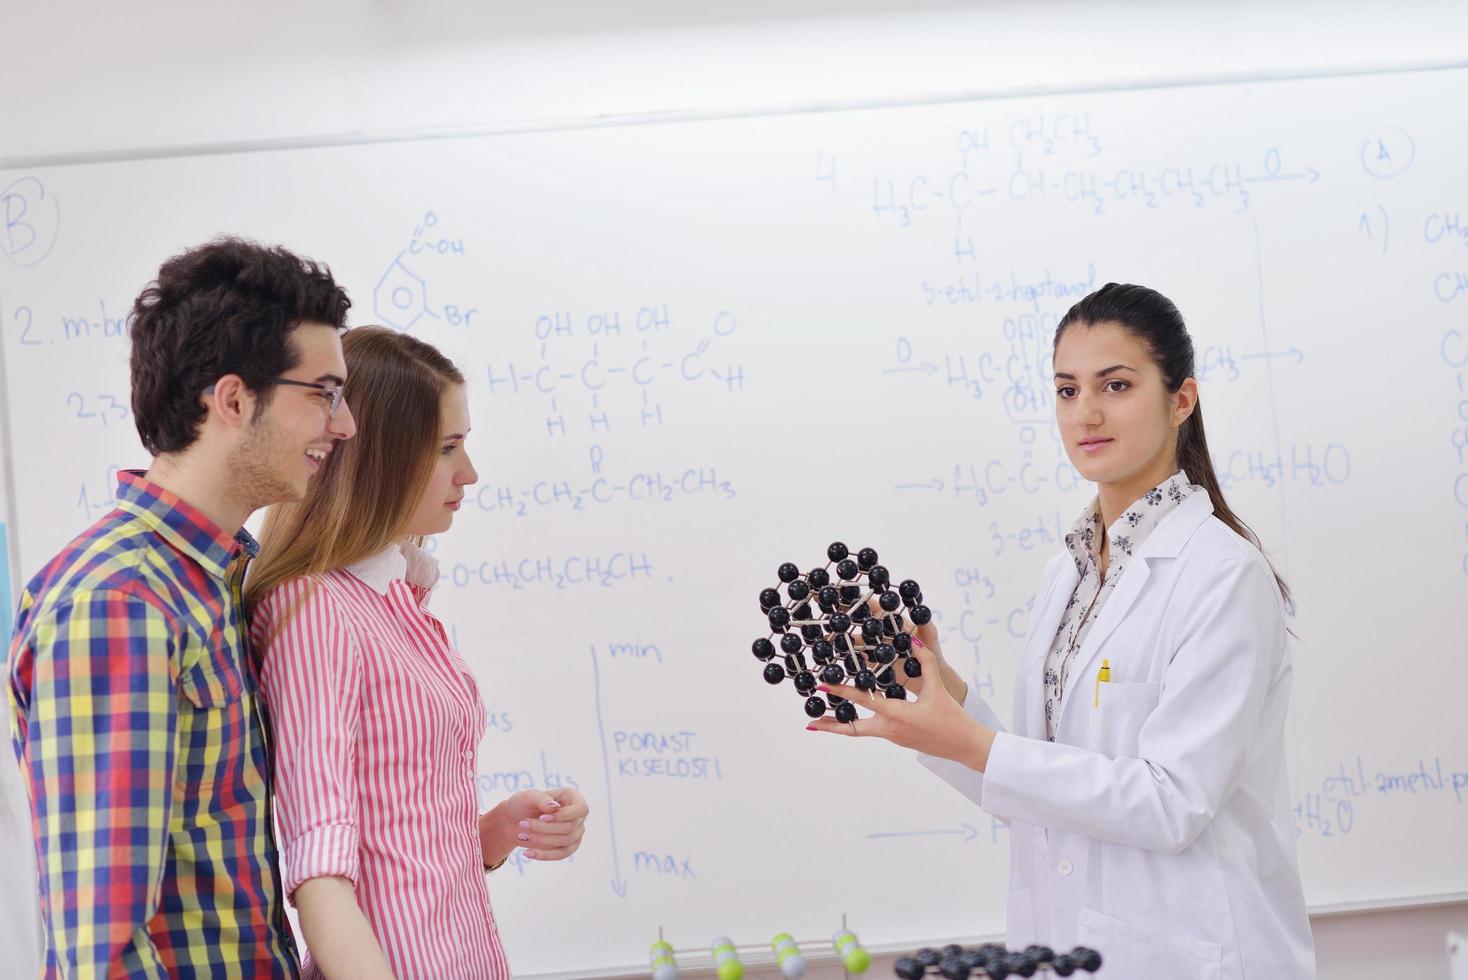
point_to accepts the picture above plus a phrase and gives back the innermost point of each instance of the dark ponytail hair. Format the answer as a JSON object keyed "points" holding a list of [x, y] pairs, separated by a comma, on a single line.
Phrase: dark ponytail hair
{"points": [[1156, 320]]}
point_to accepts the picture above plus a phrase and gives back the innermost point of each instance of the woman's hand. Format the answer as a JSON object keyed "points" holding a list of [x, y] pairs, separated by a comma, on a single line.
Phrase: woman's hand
{"points": [[548, 824], [927, 635], [935, 723]]}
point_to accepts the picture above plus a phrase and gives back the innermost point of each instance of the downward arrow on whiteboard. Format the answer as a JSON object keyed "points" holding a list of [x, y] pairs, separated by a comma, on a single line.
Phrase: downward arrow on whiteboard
{"points": [[619, 886]]}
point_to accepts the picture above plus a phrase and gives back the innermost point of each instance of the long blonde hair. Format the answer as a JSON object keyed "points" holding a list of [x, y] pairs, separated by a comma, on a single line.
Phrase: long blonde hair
{"points": [[369, 485]]}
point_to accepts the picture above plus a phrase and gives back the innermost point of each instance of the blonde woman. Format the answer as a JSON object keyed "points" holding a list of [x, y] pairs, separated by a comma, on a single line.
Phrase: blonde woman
{"points": [[376, 718]]}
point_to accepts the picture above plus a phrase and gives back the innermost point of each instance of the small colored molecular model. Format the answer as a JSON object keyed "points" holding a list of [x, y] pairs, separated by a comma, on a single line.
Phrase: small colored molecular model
{"points": [[726, 959], [788, 957], [841, 624], [994, 961], [854, 959]]}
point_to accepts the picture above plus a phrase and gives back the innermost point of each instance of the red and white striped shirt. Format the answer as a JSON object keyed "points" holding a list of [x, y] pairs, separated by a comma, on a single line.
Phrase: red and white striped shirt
{"points": [[377, 722]]}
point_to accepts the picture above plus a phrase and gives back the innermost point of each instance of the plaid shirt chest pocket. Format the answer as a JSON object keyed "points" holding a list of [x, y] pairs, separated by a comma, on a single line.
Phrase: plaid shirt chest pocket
{"points": [[213, 743], [213, 680]]}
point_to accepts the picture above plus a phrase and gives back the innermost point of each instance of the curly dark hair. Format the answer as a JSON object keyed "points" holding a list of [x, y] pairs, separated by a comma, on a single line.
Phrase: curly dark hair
{"points": [[227, 307]]}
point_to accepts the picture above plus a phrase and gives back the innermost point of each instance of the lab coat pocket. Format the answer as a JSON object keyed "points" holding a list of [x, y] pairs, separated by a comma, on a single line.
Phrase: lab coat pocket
{"points": [[1130, 952], [1118, 713]]}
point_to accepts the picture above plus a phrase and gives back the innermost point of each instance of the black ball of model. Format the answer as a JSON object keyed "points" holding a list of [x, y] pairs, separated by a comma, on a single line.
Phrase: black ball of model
{"points": [[815, 707], [1023, 964], [774, 673], [953, 968], [846, 712], [909, 968]]}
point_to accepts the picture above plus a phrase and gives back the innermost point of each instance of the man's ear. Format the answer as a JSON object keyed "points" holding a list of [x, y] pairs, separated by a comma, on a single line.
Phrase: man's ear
{"points": [[231, 402]]}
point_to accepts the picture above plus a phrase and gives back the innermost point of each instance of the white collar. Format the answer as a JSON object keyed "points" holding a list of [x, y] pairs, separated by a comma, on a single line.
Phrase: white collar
{"points": [[401, 560]]}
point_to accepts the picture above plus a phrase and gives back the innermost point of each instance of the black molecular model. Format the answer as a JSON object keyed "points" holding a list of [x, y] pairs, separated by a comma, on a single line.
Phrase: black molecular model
{"points": [[825, 626], [991, 960]]}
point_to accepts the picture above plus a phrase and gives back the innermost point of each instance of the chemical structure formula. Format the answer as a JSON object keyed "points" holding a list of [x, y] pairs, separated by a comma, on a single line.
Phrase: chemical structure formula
{"points": [[604, 371], [401, 299]]}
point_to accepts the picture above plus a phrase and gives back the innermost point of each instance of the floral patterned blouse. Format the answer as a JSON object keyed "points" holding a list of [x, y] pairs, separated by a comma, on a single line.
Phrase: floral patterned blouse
{"points": [[1127, 535]]}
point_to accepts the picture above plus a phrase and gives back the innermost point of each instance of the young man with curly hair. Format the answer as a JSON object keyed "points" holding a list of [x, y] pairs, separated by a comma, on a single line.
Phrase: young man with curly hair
{"points": [[131, 683]]}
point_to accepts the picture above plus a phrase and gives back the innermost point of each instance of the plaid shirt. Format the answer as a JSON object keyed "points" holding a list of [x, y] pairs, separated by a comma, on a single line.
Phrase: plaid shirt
{"points": [[137, 727]]}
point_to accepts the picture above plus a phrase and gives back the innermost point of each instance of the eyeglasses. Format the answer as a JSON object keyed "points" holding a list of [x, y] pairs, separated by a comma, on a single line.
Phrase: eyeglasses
{"points": [[332, 392]]}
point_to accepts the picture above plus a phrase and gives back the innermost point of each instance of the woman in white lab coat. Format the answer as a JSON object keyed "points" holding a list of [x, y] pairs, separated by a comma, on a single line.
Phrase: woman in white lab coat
{"points": [[1143, 778]]}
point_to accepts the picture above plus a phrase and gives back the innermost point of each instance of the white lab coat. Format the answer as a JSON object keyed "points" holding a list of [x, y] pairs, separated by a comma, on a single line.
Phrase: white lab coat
{"points": [[1156, 828]]}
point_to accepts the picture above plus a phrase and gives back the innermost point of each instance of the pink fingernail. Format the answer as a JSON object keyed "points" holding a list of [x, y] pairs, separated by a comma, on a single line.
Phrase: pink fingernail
{"points": [[547, 817], [918, 643], [524, 824], [823, 688], [522, 837], [811, 728], [555, 803], [530, 855]]}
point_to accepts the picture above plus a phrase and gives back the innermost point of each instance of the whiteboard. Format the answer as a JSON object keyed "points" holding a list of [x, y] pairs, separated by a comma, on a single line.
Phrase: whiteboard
{"points": [[701, 348]]}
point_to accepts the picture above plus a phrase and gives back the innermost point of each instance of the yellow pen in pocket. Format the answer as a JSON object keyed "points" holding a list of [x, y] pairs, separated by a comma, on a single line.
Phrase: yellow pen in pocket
{"points": [[1103, 676]]}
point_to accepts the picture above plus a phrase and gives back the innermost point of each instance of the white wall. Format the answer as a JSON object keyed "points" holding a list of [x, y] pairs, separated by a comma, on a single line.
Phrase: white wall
{"points": [[91, 79]]}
